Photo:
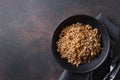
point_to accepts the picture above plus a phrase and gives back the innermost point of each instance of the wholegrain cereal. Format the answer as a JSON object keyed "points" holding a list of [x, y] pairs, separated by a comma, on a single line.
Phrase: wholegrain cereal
{"points": [[79, 43]]}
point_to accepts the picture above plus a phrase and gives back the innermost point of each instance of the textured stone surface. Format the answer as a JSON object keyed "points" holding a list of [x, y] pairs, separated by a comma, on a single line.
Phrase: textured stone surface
{"points": [[26, 28]]}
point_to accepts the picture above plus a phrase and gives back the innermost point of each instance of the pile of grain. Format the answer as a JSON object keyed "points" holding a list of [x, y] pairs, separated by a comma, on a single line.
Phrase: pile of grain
{"points": [[79, 43]]}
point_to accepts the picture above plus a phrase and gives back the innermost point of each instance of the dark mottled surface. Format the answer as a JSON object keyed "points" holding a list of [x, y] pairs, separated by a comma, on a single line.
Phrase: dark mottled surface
{"points": [[26, 28]]}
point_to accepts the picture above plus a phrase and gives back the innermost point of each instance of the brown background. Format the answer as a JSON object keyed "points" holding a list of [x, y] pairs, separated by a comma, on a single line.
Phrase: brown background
{"points": [[26, 28]]}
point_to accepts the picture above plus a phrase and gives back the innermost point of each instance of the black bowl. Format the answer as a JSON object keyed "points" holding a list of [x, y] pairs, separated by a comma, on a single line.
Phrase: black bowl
{"points": [[83, 68]]}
